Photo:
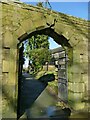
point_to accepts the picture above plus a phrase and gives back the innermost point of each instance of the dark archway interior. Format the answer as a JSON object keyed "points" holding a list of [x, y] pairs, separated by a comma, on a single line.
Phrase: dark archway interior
{"points": [[60, 39]]}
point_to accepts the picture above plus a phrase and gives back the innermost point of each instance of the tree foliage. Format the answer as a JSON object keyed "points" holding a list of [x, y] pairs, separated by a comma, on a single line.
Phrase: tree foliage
{"points": [[40, 4], [37, 50]]}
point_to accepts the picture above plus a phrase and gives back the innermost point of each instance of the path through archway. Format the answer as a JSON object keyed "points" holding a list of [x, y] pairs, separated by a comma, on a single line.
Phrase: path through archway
{"points": [[64, 43]]}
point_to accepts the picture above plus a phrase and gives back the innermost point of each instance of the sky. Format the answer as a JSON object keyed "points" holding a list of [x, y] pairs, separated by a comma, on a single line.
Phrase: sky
{"points": [[77, 9]]}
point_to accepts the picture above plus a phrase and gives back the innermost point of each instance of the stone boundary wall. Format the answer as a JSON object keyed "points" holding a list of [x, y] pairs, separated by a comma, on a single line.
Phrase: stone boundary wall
{"points": [[19, 21]]}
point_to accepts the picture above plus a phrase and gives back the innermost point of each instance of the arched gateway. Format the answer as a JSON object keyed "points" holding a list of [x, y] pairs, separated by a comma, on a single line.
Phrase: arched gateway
{"points": [[20, 21]]}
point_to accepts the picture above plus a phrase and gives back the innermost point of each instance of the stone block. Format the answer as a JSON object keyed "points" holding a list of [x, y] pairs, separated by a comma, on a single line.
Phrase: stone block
{"points": [[79, 106], [12, 78], [69, 86], [39, 24], [62, 91], [13, 56], [7, 20], [59, 28], [68, 32], [78, 68], [84, 67], [75, 68], [79, 96], [81, 53], [12, 66], [77, 87], [50, 19], [74, 40], [5, 66], [70, 77], [27, 25], [8, 39], [84, 77], [70, 95], [76, 77], [6, 53], [76, 56], [0, 25], [84, 58], [37, 16], [9, 90], [4, 13], [82, 47], [75, 97], [20, 31], [23, 12], [5, 78]]}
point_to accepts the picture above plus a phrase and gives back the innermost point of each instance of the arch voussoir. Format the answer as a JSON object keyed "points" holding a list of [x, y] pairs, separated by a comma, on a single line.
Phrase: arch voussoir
{"points": [[20, 31], [27, 24]]}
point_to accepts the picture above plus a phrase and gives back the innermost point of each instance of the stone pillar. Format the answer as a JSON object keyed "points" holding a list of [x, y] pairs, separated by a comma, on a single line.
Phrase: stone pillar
{"points": [[78, 77], [62, 77], [9, 75]]}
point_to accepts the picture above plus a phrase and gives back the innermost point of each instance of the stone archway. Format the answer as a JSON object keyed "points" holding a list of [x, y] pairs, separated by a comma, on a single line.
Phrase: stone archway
{"points": [[20, 21], [63, 41], [67, 36]]}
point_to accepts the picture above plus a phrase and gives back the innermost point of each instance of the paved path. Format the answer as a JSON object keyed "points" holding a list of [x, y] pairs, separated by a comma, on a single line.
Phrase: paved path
{"points": [[29, 92], [30, 89]]}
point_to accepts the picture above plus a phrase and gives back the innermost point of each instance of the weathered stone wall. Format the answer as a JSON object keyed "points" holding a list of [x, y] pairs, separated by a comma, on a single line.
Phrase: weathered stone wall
{"points": [[19, 21], [78, 74], [9, 61], [0, 61]]}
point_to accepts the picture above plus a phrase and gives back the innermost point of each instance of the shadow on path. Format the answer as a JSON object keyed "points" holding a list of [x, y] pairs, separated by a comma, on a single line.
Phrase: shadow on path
{"points": [[30, 89]]}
